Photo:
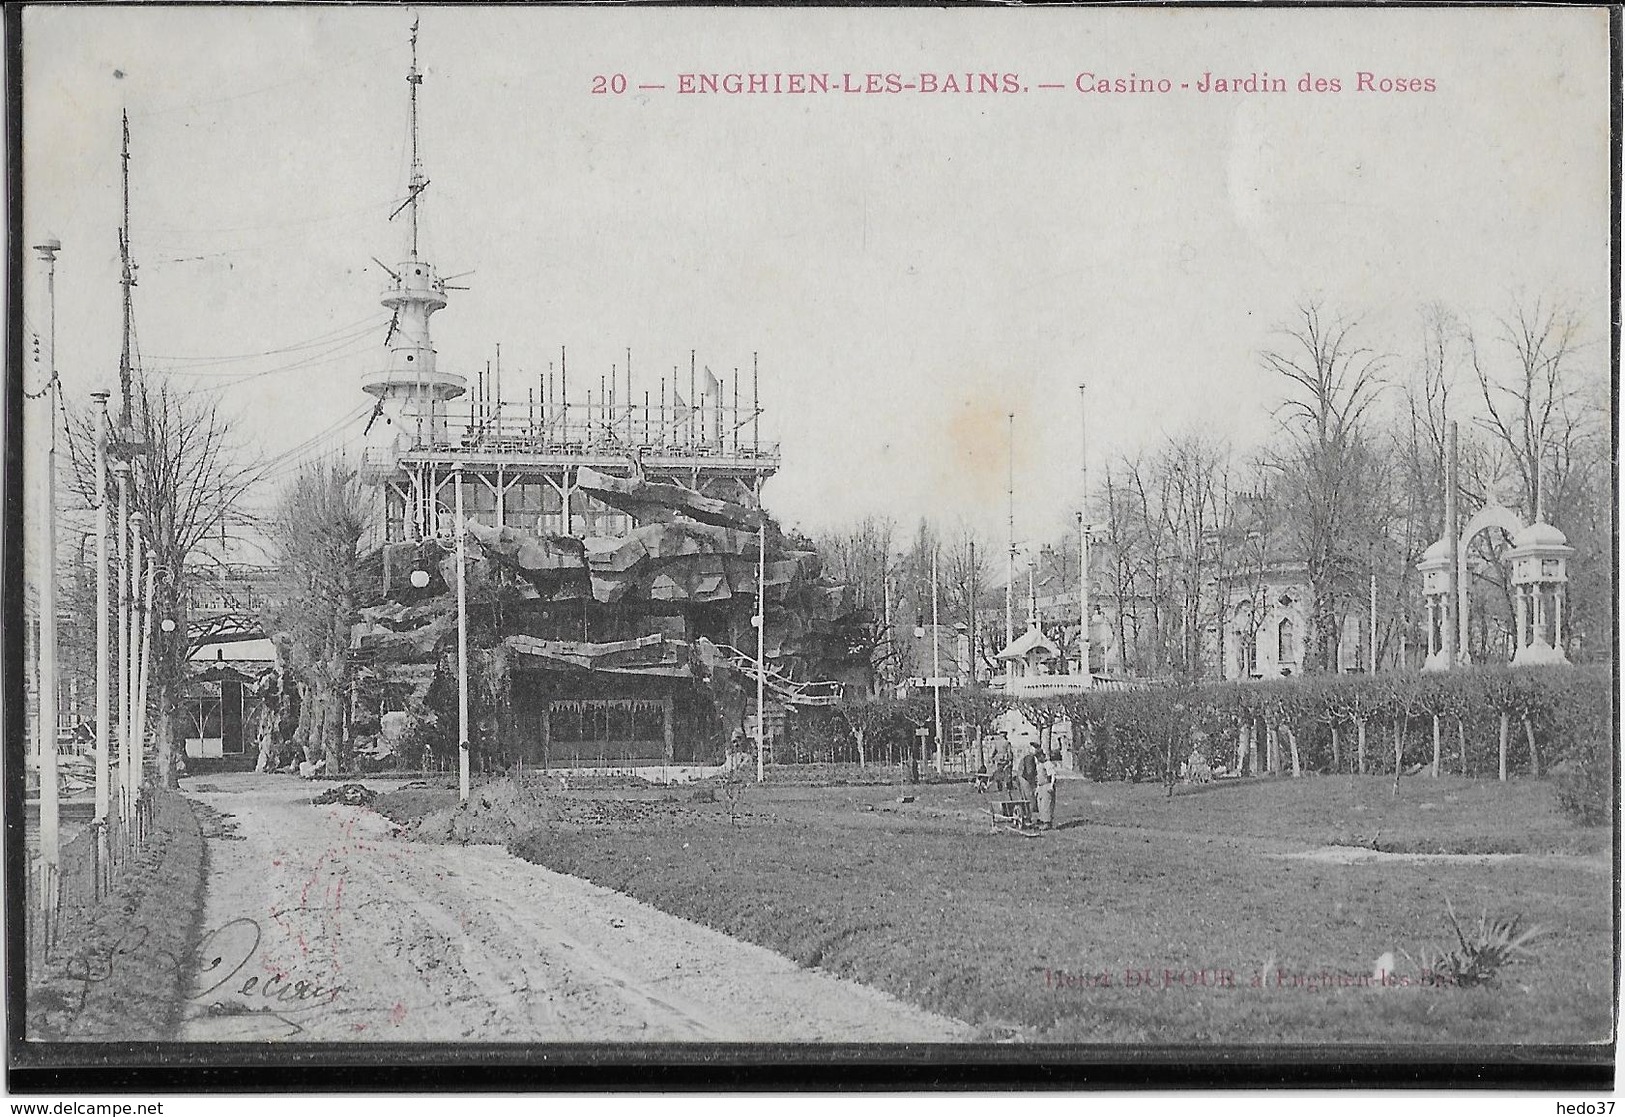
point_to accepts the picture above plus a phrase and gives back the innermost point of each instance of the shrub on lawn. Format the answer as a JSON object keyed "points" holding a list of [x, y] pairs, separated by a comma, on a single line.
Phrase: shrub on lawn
{"points": [[1585, 784], [495, 813], [1479, 957]]}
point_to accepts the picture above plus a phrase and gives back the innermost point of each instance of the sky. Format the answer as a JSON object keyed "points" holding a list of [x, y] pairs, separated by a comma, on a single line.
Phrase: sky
{"points": [[911, 268]]}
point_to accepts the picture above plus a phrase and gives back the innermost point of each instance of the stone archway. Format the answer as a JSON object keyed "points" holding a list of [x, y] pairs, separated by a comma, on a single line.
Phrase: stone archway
{"points": [[1492, 515]]}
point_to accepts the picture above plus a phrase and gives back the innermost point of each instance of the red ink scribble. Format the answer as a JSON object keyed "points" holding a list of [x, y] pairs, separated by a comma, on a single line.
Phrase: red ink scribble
{"points": [[359, 1027], [397, 1014]]}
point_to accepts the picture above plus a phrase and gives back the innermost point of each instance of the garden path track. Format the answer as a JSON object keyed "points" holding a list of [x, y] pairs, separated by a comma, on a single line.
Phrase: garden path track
{"points": [[416, 942]]}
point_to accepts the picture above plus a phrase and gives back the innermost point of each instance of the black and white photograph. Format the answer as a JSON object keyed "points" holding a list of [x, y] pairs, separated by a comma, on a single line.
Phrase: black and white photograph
{"points": [[598, 535]]}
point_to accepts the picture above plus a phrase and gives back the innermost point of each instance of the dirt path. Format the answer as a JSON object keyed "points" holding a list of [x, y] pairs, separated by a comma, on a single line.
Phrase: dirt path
{"points": [[407, 941]]}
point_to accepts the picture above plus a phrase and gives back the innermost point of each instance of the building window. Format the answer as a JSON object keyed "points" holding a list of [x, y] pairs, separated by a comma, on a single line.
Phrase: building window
{"points": [[1247, 647], [1286, 642]]}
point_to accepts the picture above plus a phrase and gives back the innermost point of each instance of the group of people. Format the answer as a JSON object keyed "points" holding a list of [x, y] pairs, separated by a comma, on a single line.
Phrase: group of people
{"points": [[1030, 773]]}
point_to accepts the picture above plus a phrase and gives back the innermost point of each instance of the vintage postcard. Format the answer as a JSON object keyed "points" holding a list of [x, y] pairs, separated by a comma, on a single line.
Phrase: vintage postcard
{"points": [[582, 535]]}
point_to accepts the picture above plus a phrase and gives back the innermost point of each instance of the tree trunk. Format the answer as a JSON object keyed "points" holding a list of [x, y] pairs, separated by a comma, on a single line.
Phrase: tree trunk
{"points": [[1272, 741], [303, 729], [1436, 746], [1292, 740], [1534, 753], [333, 730], [1241, 749], [165, 732], [1399, 750], [1252, 747], [1337, 751], [1360, 743], [857, 735], [1505, 729], [266, 740], [1461, 743]]}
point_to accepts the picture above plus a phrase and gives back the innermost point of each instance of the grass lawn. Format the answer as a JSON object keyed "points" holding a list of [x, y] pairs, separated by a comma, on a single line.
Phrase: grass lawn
{"points": [[1141, 919], [120, 967]]}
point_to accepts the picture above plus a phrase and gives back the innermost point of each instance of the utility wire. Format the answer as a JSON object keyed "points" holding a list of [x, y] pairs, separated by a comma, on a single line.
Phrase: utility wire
{"points": [[348, 330], [340, 352]]}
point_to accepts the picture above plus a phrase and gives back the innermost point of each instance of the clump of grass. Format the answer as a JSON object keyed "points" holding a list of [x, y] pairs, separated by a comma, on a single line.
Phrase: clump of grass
{"points": [[1481, 956]]}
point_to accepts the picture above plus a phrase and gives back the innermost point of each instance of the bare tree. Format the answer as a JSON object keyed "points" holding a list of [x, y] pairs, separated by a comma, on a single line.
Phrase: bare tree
{"points": [[1543, 419], [1127, 574], [317, 526], [1529, 402], [187, 485], [1329, 471], [1194, 479], [964, 572], [861, 557]]}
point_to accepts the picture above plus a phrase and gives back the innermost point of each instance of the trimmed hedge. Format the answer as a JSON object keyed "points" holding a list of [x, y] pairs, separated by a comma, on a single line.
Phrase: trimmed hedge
{"points": [[1553, 716], [1558, 720]]}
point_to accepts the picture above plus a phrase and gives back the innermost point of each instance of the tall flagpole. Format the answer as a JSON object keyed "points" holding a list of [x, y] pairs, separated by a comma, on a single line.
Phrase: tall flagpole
{"points": [[936, 654], [462, 652], [1083, 537], [1455, 640], [761, 651], [1010, 556]]}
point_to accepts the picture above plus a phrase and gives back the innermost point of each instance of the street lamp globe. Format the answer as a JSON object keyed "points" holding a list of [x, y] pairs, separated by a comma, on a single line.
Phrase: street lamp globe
{"points": [[420, 578]]}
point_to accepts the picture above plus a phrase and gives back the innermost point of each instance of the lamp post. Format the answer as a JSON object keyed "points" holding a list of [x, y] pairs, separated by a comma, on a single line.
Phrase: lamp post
{"points": [[49, 833], [103, 641], [1373, 650], [121, 470], [761, 650], [462, 653], [146, 671], [129, 775]]}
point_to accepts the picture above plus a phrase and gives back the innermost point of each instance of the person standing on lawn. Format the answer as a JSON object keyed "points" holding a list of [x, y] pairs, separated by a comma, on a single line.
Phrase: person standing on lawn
{"points": [[1027, 779], [1001, 774], [1046, 789]]}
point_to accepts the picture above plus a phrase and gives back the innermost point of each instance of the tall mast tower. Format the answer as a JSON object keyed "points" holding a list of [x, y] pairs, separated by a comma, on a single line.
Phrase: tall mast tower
{"points": [[411, 385]]}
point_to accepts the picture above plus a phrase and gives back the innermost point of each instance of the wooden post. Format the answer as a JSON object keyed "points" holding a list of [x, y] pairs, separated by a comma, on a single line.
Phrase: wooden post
{"points": [[1506, 721], [1436, 746]]}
